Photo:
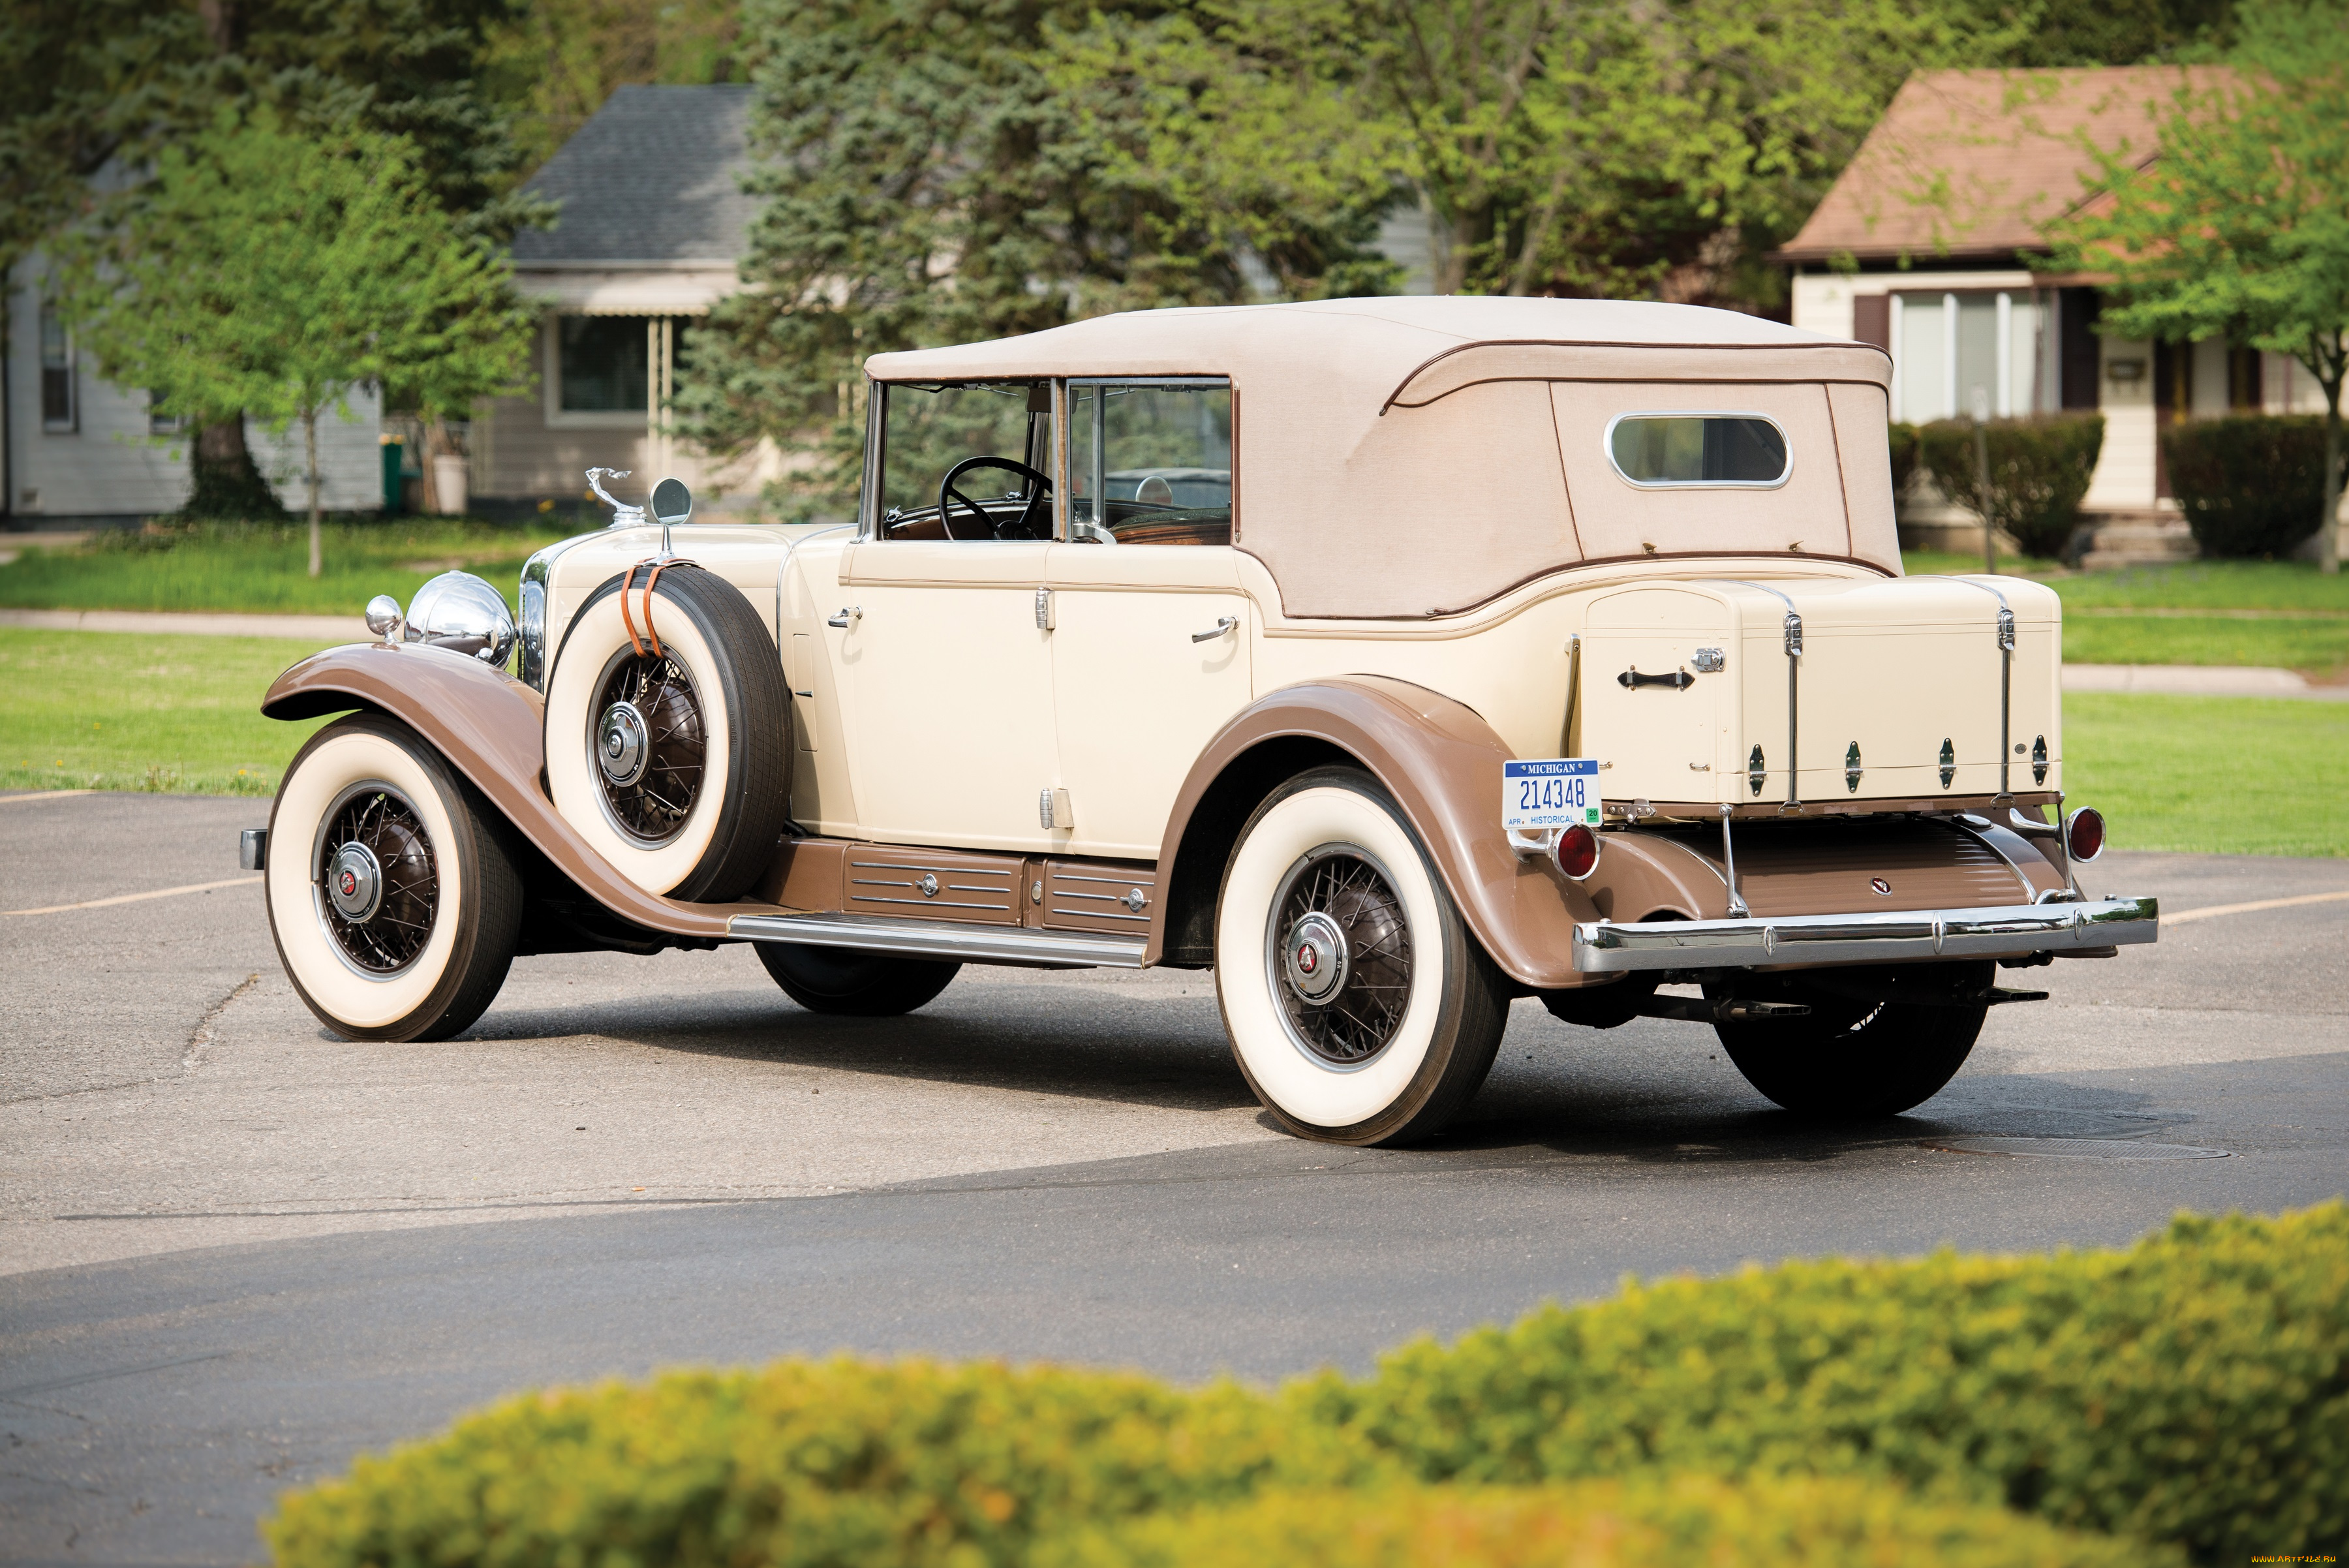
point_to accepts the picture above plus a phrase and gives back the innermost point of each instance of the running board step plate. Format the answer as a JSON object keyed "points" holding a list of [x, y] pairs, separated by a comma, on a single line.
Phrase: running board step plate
{"points": [[971, 943]]}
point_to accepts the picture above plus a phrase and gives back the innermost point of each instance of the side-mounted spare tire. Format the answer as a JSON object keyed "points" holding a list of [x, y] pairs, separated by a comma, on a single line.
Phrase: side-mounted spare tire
{"points": [[668, 742]]}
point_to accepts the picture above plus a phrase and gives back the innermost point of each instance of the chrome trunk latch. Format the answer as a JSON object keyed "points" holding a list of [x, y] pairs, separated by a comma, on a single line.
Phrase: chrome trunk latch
{"points": [[1710, 661], [1794, 635]]}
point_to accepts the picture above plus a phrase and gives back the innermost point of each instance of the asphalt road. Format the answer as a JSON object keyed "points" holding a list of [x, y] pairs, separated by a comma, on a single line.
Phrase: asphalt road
{"points": [[234, 1251]]}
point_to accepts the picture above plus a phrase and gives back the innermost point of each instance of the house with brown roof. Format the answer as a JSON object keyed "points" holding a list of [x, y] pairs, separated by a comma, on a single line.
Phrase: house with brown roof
{"points": [[1922, 247], [652, 223]]}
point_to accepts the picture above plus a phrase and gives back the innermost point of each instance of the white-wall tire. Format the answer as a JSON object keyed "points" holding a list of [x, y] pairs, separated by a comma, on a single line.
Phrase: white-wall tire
{"points": [[719, 650], [476, 914], [1430, 1053]]}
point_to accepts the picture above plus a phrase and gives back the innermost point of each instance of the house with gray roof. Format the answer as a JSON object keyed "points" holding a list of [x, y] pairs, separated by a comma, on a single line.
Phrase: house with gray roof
{"points": [[652, 222]]}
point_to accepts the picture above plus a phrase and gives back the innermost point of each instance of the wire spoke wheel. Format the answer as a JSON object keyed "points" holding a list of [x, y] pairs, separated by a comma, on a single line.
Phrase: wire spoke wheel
{"points": [[377, 881], [1341, 953], [650, 744]]}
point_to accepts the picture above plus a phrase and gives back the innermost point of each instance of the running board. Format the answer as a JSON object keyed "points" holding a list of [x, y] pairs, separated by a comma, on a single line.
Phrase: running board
{"points": [[971, 943]]}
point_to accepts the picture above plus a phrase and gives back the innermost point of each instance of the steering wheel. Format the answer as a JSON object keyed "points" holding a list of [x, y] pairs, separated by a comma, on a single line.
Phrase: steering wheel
{"points": [[1043, 491]]}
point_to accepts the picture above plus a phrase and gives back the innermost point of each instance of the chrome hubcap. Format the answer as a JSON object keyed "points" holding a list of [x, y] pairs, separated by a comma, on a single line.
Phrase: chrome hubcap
{"points": [[1314, 959], [621, 748], [376, 881], [1338, 955], [355, 883]]}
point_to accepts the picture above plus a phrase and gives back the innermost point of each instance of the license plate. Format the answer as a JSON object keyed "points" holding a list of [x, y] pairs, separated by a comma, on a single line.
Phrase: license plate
{"points": [[1553, 792]]}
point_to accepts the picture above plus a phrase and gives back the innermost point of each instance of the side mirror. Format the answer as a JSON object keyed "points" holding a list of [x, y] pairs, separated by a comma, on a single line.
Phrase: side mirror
{"points": [[672, 501]]}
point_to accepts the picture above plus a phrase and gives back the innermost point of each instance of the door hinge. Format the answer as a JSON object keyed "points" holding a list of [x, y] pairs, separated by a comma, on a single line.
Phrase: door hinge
{"points": [[1052, 808], [1043, 609]]}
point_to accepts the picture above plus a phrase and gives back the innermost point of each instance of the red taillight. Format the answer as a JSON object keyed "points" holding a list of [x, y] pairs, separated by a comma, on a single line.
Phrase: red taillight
{"points": [[2084, 834], [1577, 852]]}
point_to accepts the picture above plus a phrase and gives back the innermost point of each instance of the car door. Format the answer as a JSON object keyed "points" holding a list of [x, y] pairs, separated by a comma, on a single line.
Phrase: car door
{"points": [[1150, 631], [946, 673]]}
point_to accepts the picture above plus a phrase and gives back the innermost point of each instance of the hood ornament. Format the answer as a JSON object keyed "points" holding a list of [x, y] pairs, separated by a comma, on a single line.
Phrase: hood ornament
{"points": [[623, 516]]}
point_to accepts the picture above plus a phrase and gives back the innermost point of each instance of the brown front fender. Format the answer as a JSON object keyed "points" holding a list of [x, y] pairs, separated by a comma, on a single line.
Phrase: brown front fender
{"points": [[491, 728], [1442, 764]]}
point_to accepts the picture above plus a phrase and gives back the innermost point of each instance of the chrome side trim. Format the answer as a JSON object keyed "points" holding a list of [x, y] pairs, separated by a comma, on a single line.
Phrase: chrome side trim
{"points": [[1608, 947], [974, 943]]}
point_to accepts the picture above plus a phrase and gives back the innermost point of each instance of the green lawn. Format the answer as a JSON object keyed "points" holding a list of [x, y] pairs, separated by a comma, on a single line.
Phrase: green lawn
{"points": [[2199, 612], [109, 711], [2319, 647], [261, 568], [2219, 776], [113, 711]]}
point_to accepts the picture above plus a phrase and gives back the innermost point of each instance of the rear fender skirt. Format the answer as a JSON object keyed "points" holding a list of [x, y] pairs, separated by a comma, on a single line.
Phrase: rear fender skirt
{"points": [[493, 730]]}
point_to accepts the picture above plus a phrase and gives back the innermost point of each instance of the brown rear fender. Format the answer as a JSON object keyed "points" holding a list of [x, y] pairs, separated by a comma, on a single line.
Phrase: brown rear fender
{"points": [[493, 730], [1442, 764]]}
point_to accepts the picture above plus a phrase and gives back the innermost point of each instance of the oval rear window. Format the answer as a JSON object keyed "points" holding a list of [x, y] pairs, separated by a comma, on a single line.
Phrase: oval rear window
{"points": [[1698, 448]]}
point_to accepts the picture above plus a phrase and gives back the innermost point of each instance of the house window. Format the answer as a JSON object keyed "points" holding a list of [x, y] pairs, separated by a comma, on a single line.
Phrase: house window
{"points": [[60, 405], [603, 364], [161, 421], [1953, 353]]}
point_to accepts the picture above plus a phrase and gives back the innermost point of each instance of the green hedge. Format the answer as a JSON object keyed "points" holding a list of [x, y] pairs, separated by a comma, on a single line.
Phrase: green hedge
{"points": [[2039, 470], [2194, 1389], [837, 1462], [2250, 484], [1653, 1523], [1907, 458], [2191, 1390]]}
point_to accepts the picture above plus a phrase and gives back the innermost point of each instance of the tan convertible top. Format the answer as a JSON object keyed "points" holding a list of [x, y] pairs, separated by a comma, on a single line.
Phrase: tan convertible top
{"points": [[1407, 457]]}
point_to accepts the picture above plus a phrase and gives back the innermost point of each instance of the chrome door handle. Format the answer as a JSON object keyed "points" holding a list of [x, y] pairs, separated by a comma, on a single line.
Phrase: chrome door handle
{"points": [[843, 617], [1223, 625]]}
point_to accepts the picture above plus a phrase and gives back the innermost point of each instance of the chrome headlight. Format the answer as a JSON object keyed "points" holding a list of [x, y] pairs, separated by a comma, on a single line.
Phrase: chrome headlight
{"points": [[459, 611], [533, 597]]}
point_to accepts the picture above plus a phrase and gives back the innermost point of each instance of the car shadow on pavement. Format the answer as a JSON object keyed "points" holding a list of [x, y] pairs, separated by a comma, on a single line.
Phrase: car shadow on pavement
{"points": [[1162, 1053]]}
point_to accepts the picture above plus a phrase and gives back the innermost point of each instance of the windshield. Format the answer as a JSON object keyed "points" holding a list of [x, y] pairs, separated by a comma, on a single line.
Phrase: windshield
{"points": [[1151, 463], [987, 443]]}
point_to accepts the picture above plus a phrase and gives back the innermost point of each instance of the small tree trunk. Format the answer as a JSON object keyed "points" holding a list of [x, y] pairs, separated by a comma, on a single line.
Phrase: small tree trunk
{"points": [[2328, 535], [310, 442], [429, 488], [1981, 493]]}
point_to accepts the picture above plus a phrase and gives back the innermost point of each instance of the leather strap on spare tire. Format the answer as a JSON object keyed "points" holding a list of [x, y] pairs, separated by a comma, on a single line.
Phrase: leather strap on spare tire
{"points": [[647, 716]]}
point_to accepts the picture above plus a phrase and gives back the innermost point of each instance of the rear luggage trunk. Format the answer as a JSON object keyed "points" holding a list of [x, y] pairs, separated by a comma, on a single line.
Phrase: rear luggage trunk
{"points": [[1882, 694]]}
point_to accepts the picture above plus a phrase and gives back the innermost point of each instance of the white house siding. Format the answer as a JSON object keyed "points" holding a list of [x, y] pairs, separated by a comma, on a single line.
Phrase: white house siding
{"points": [[518, 456], [1822, 301], [350, 458], [111, 466], [2124, 480]]}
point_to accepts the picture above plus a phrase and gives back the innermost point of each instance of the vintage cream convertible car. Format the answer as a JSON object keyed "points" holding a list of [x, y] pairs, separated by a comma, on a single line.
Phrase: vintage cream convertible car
{"points": [[1394, 658]]}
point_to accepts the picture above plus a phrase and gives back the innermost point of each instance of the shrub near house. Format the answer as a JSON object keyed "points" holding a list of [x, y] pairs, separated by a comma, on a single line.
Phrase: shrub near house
{"points": [[2039, 470], [2251, 485]]}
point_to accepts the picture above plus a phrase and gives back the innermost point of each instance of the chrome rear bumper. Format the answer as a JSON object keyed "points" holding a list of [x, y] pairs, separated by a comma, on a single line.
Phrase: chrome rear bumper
{"points": [[1891, 937]]}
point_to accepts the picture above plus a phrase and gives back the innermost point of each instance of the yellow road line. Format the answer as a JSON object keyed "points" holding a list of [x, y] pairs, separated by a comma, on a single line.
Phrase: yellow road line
{"points": [[2215, 909], [136, 898], [45, 794]]}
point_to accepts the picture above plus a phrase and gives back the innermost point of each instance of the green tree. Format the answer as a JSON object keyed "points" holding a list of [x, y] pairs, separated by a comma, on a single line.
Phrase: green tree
{"points": [[267, 271], [926, 182], [1565, 147], [86, 84], [2240, 226]]}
